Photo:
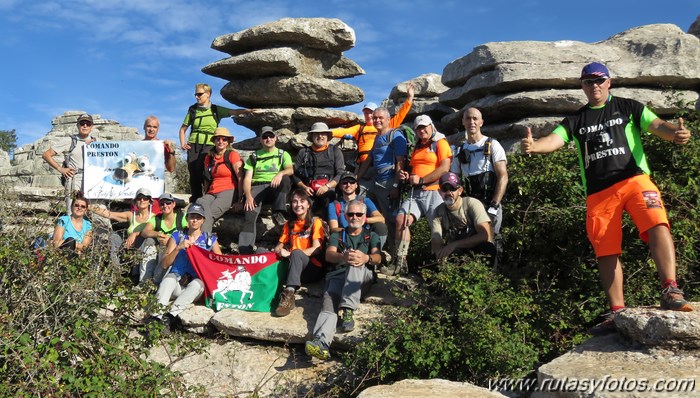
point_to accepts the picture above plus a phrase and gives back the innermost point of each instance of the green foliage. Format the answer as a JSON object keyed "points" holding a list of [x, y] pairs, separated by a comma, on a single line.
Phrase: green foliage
{"points": [[8, 140], [67, 326], [181, 174]]}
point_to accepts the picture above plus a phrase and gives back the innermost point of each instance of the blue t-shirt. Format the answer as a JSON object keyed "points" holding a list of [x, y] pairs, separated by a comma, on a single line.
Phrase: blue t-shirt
{"points": [[342, 221], [182, 265], [70, 231], [384, 154]]}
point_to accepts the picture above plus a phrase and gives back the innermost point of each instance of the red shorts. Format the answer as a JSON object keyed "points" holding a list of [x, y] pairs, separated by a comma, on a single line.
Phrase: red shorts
{"points": [[639, 197]]}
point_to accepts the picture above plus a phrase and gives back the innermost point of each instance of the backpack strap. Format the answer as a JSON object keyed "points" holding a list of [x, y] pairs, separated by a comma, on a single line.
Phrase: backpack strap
{"points": [[337, 209]]}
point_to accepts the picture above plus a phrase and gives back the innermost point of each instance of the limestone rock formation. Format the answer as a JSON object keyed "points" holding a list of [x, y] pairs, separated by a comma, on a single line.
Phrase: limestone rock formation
{"points": [[695, 27], [30, 170], [428, 389], [283, 65], [668, 329], [428, 88], [542, 77]]}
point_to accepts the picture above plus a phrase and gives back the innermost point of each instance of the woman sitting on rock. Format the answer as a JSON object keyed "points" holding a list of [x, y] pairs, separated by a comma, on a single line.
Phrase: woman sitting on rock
{"points": [[182, 282], [300, 242], [74, 232], [222, 176]]}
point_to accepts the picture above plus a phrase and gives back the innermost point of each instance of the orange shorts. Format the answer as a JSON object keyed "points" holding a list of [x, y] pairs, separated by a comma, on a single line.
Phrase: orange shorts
{"points": [[639, 197]]}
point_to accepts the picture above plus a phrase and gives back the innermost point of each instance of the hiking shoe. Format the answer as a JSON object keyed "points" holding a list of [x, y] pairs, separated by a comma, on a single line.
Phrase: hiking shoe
{"points": [[168, 324], [386, 257], [607, 325], [672, 299], [396, 268], [317, 349], [348, 323], [286, 304], [278, 218]]}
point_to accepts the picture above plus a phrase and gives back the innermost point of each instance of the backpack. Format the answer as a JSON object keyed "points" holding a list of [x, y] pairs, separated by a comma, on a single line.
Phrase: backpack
{"points": [[482, 185], [338, 209], [411, 140], [66, 160], [209, 170], [178, 222], [254, 158], [309, 162], [192, 111]]}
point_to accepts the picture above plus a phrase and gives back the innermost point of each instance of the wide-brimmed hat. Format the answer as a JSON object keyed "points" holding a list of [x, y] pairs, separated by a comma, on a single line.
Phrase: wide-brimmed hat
{"points": [[319, 128], [222, 132]]}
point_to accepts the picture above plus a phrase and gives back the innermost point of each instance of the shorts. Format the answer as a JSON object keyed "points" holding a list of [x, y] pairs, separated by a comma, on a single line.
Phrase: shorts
{"points": [[639, 197], [423, 202]]}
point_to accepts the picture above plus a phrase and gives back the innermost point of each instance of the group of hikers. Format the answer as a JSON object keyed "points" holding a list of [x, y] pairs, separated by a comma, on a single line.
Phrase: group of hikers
{"points": [[397, 176]]}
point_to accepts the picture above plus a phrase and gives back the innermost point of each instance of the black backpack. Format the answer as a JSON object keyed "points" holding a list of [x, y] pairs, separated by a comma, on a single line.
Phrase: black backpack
{"points": [[209, 170], [254, 158], [192, 111]]}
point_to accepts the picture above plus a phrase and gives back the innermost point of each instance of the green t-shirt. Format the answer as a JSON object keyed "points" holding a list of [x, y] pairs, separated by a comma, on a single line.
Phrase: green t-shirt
{"points": [[204, 124], [267, 164], [164, 228], [364, 242]]}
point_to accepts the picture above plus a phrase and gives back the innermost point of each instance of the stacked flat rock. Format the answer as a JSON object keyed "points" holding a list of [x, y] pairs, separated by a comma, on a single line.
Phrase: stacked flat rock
{"points": [[288, 70], [427, 90], [535, 84], [29, 168]]}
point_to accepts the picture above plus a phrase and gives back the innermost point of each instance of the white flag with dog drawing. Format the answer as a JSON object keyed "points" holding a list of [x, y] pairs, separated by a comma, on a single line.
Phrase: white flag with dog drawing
{"points": [[117, 169]]}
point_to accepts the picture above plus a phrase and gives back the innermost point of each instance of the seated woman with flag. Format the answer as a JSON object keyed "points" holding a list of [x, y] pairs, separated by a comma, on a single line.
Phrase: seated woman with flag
{"points": [[300, 242], [182, 282]]}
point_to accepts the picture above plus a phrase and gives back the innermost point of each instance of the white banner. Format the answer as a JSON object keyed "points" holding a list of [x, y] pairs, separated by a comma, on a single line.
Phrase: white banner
{"points": [[117, 169]]}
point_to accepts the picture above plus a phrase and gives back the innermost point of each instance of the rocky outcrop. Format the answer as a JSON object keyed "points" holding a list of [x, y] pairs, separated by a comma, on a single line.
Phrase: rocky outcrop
{"points": [[428, 389], [695, 27], [655, 354], [427, 90], [542, 77], [30, 170], [284, 65]]}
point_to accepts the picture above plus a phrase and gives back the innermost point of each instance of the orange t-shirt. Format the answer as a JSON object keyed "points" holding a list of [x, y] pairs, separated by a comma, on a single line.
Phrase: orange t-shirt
{"points": [[221, 175], [424, 160], [365, 136], [301, 238]]}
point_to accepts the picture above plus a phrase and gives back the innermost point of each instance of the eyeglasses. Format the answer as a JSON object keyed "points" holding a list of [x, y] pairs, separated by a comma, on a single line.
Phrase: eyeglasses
{"points": [[80, 206], [85, 123], [143, 198], [590, 82], [268, 136], [220, 139], [166, 202], [198, 94], [356, 215], [448, 188]]}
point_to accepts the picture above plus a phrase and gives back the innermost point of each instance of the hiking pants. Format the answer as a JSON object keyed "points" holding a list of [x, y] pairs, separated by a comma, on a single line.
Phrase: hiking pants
{"points": [[170, 287], [302, 270], [195, 165], [262, 194], [215, 205]]}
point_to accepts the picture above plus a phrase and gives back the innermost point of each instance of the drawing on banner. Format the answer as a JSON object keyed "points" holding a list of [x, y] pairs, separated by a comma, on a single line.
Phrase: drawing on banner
{"points": [[240, 282], [117, 169]]}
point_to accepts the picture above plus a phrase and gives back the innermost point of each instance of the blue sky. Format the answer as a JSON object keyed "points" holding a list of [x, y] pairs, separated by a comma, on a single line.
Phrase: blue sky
{"points": [[127, 59]]}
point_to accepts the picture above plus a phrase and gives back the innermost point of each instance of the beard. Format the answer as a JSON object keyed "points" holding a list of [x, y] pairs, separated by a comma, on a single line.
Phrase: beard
{"points": [[449, 201]]}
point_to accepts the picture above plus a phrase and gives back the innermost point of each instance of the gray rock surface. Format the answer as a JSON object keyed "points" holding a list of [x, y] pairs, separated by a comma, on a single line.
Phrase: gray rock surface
{"points": [[428, 88], [695, 27], [614, 367], [428, 389], [283, 91], [328, 34], [284, 61], [652, 326]]}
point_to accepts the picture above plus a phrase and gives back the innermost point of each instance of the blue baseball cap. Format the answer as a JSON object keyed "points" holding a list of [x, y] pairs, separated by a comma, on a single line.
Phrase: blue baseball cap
{"points": [[594, 70]]}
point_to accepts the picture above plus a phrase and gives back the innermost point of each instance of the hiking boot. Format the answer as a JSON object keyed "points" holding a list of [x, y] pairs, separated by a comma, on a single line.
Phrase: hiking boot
{"points": [[168, 324], [348, 324], [396, 268], [386, 257], [672, 299], [278, 218], [317, 349], [286, 304], [607, 325]]}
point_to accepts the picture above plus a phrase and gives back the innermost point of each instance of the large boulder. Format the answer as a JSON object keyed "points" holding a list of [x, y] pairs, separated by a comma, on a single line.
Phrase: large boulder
{"points": [[328, 34], [653, 327], [428, 389], [281, 91], [284, 61], [695, 27]]}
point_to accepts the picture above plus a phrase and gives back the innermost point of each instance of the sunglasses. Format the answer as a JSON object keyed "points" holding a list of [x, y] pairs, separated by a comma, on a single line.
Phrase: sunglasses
{"points": [[345, 182], [143, 198], [356, 215], [80, 206], [198, 94], [448, 188], [85, 123], [591, 82], [268, 136], [220, 139], [166, 202]]}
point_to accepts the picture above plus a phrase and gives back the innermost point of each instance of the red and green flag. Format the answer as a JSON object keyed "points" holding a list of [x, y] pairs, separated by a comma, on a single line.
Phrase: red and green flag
{"points": [[244, 282]]}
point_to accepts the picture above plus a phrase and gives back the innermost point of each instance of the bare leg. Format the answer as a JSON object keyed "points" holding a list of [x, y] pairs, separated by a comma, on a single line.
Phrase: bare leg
{"points": [[663, 252], [611, 278]]}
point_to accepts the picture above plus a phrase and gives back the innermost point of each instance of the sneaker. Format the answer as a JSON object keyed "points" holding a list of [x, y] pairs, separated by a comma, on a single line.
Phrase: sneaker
{"points": [[348, 323], [278, 218], [672, 299], [607, 325], [317, 349], [286, 304], [396, 268], [168, 323]]}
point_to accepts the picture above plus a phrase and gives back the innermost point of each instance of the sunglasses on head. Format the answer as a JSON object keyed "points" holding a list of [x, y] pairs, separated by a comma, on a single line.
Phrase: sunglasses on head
{"points": [[591, 82], [198, 94], [356, 215], [85, 123], [266, 136], [448, 188]]}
